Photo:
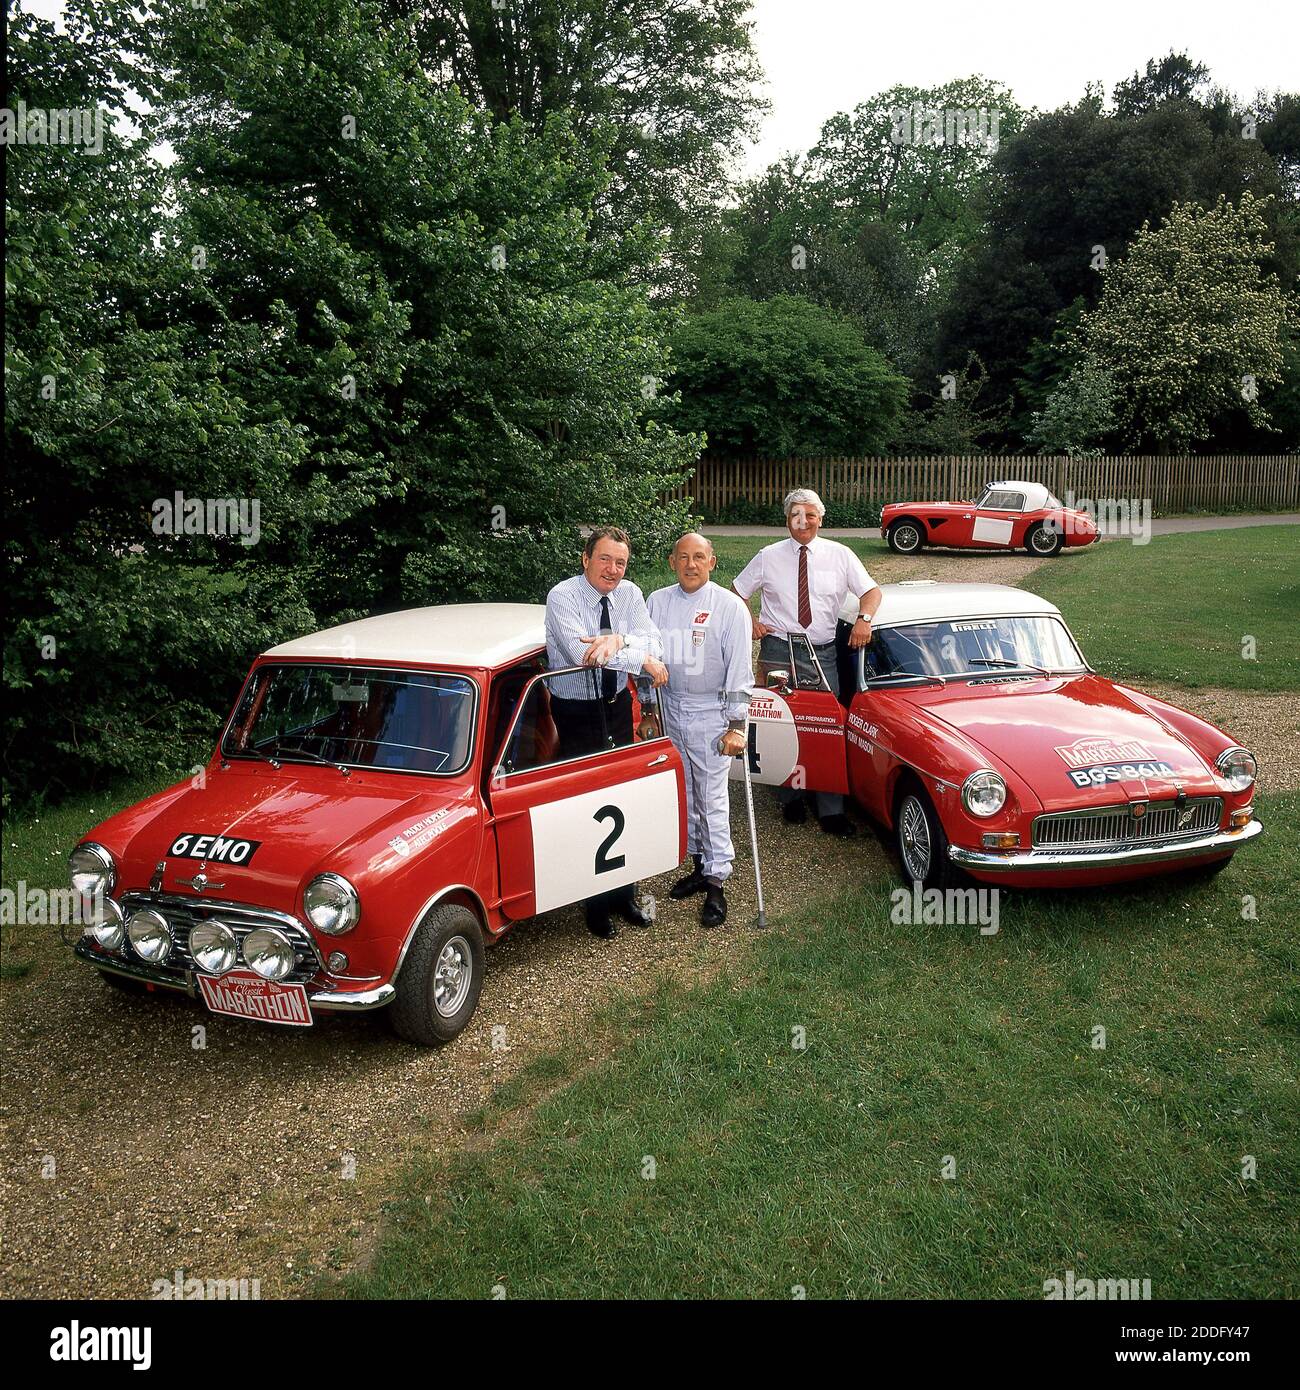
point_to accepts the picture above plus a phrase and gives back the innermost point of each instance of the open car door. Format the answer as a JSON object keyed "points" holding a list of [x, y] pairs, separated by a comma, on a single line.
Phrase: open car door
{"points": [[796, 726], [568, 828]]}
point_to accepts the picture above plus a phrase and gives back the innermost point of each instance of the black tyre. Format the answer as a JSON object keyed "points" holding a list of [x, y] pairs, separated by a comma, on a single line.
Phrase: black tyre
{"points": [[921, 842], [440, 979], [1044, 541], [121, 982], [905, 536]]}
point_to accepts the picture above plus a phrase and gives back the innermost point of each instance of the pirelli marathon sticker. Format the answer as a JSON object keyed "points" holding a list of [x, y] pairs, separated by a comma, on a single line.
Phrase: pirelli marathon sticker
{"points": [[1092, 762], [213, 849]]}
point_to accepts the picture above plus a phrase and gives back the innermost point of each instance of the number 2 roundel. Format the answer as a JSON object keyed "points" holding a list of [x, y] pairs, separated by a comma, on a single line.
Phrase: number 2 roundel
{"points": [[590, 843]]}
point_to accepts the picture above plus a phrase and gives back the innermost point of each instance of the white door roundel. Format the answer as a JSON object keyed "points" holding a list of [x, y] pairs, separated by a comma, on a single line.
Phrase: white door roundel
{"points": [[588, 844], [773, 741]]}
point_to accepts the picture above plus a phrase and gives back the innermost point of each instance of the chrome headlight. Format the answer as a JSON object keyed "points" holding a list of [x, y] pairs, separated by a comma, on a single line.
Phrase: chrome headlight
{"points": [[983, 793], [213, 946], [93, 872], [106, 924], [149, 935], [332, 904], [269, 953], [1237, 768]]}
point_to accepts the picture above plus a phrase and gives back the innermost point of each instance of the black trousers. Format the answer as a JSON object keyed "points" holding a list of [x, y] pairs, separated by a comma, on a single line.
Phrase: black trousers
{"points": [[582, 726]]}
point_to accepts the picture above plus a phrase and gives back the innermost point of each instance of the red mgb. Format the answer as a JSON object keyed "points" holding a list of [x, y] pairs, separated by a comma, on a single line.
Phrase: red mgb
{"points": [[1006, 516], [973, 729], [387, 798]]}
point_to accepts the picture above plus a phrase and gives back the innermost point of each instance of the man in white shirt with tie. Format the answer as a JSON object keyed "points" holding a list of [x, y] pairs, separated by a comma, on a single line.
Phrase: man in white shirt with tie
{"points": [[802, 582]]}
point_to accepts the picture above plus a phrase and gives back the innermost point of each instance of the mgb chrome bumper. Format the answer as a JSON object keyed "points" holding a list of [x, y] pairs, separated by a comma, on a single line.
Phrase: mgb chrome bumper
{"points": [[336, 1001], [1056, 861]]}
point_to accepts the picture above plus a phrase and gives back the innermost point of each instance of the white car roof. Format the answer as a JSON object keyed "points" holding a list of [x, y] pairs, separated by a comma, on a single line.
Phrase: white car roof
{"points": [[1036, 494], [924, 600], [454, 634]]}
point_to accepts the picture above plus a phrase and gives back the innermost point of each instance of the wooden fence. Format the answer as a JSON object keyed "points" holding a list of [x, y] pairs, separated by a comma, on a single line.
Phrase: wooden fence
{"points": [[1173, 483]]}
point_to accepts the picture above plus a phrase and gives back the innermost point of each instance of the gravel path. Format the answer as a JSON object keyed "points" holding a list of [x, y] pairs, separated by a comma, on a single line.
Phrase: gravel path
{"points": [[128, 1153]]}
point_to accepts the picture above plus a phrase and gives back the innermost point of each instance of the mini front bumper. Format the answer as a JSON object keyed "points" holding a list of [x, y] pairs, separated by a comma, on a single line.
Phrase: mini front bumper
{"points": [[326, 1000], [1059, 861]]}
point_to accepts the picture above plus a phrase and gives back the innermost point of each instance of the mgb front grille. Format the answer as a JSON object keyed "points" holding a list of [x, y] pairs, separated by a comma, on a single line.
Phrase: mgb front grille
{"points": [[182, 914], [1117, 826]]}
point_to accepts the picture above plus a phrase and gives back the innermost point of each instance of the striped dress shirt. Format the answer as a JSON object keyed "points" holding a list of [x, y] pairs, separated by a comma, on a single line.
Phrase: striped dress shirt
{"points": [[573, 612]]}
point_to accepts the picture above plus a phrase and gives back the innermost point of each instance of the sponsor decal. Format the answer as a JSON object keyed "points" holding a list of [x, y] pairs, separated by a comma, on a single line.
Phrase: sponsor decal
{"points": [[214, 849], [242, 994], [700, 622], [1087, 752], [1093, 762], [974, 627]]}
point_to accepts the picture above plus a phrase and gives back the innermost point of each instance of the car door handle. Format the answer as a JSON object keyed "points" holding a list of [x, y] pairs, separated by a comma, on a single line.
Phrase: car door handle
{"points": [[654, 762]]}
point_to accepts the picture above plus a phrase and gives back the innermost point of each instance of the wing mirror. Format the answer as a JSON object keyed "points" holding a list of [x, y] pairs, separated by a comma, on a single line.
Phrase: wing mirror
{"points": [[779, 681]]}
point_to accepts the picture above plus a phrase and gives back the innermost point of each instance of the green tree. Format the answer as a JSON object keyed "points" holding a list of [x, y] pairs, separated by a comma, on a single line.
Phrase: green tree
{"points": [[1078, 414], [669, 86], [1190, 327], [782, 377]]}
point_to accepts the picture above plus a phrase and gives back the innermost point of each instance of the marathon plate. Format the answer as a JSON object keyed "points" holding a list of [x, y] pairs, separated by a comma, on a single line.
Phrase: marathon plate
{"points": [[241, 994]]}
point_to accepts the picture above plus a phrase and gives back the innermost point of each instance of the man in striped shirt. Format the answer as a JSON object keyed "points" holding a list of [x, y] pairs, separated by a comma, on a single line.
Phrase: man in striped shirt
{"points": [[598, 619]]}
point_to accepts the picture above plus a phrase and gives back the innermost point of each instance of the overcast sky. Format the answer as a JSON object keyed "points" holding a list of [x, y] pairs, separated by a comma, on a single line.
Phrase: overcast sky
{"points": [[824, 56]]}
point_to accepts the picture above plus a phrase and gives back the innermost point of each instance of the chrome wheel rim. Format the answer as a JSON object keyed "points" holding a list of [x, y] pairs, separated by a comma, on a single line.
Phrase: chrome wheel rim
{"points": [[452, 976], [1044, 541], [914, 839], [907, 537]]}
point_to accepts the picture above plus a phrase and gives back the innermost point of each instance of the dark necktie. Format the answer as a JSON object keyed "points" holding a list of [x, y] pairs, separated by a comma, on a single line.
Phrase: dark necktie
{"points": [[805, 604], [608, 680]]}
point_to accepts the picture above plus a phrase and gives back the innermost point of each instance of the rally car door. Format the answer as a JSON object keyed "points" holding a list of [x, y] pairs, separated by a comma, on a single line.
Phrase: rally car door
{"points": [[796, 726], [569, 828], [997, 516]]}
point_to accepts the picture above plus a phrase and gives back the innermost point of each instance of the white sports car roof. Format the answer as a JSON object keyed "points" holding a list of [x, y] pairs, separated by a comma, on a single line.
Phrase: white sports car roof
{"points": [[1037, 495], [454, 634], [924, 600]]}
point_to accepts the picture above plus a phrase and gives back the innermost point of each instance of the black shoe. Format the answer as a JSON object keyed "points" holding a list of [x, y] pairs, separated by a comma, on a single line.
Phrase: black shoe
{"points": [[629, 911], [795, 811], [715, 907], [840, 826], [692, 883], [605, 929]]}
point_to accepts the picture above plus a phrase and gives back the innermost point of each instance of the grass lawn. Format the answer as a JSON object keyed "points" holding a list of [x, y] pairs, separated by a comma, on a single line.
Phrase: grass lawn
{"points": [[822, 1168], [1180, 608]]}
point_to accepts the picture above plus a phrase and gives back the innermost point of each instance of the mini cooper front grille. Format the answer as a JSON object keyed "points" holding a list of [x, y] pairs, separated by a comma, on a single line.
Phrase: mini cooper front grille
{"points": [[1118, 826], [182, 914]]}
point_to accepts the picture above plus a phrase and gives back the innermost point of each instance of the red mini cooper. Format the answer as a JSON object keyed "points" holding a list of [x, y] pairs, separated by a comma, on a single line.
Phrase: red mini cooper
{"points": [[1007, 516], [387, 798], [973, 729]]}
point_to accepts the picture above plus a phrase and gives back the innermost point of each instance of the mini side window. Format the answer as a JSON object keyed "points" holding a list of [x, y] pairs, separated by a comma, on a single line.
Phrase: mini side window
{"points": [[565, 715]]}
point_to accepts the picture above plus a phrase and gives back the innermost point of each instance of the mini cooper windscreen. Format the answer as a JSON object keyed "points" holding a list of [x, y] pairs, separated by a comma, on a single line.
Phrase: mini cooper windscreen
{"points": [[972, 647], [352, 716]]}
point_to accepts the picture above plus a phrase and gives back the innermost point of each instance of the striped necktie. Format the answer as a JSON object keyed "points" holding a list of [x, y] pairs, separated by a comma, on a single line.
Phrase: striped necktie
{"points": [[805, 603], [608, 680]]}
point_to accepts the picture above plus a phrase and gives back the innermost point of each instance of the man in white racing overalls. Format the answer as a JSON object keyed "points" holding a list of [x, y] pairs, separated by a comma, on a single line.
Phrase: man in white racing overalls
{"points": [[707, 641]]}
